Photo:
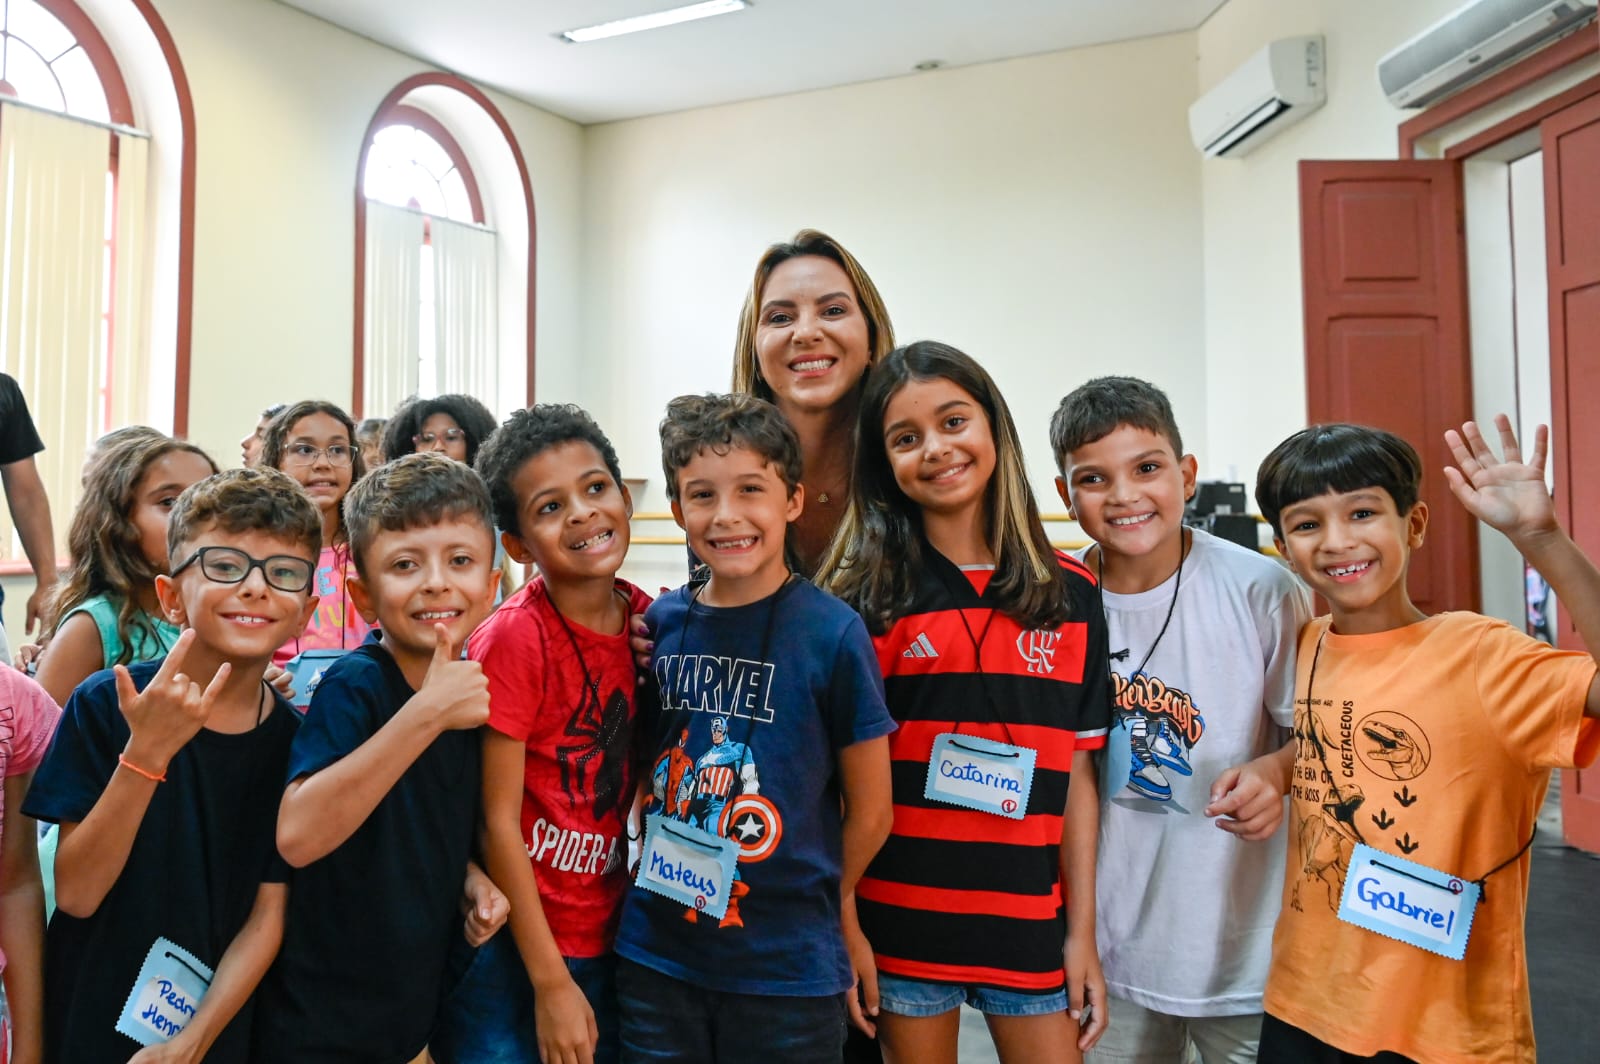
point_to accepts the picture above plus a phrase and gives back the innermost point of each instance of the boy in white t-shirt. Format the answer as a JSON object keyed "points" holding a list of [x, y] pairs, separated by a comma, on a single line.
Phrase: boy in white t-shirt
{"points": [[1202, 635]]}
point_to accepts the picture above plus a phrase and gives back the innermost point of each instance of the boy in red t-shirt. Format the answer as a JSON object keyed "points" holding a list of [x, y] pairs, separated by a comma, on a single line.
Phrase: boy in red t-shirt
{"points": [[558, 780]]}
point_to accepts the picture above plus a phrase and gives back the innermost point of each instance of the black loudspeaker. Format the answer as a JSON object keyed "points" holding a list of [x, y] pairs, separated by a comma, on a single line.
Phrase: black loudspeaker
{"points": [[1242, 529], [1217, 497]]}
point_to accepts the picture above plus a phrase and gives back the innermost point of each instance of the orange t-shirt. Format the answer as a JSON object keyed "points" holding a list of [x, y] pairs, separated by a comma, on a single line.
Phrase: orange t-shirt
{"points": [[1439, 739]]}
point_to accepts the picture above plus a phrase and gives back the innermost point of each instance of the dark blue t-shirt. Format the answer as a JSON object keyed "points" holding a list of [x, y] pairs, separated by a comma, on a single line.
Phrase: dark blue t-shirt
{"points": [[205, 845], [755, 704], [370, 925]]}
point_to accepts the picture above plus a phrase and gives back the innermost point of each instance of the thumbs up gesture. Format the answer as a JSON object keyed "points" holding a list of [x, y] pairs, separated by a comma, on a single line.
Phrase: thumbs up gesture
{"points": [[454, 693], [169, 711]]}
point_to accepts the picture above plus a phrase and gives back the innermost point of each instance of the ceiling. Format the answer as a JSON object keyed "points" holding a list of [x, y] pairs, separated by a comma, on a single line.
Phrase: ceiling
{"points": [[772, 48]]}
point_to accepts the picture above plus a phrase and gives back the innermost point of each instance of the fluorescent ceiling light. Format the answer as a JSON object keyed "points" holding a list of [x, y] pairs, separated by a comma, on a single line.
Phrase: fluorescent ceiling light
{"points": [[654, 21]]}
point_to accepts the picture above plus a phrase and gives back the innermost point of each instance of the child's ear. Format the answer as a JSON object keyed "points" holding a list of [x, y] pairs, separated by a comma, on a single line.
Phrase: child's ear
{"points": [[677, 512], [516, 548], [797, 503], [1066, 496], [171, 602], [1417, 524], [360, 597], [627, 498], [1283, 552], [1191, 472]]}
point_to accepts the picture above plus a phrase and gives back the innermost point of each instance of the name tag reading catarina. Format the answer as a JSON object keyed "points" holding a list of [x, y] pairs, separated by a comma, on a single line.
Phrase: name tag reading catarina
{"points": [[1409, 902], [686, 864], [981, 774], [165, 996]]}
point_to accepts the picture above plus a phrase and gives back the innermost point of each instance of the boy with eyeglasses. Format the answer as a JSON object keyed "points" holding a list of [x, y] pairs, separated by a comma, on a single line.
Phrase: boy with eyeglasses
{"points": [[164, 777], [381, 808]]}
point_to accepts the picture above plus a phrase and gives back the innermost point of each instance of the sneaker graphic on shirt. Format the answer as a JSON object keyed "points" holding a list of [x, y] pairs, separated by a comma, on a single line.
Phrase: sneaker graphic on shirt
{"points": [[1144, 774], [921, 647], [1167, 750]]}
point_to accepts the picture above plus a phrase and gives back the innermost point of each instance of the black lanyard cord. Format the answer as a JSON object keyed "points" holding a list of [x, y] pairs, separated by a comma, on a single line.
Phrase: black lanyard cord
{"points": [[1100, 590], [977, 642]]}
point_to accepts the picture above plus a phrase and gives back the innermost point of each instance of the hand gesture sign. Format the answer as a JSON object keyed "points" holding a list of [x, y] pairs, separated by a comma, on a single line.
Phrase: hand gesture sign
{"points": [[456, 692], [1506, 493], [169, 711]]}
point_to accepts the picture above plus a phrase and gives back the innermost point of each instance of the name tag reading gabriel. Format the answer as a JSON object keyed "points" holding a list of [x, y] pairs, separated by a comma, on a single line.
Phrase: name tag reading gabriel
{"points": [[166, 994], [982, 774], [1408, 902], [686, 864]]}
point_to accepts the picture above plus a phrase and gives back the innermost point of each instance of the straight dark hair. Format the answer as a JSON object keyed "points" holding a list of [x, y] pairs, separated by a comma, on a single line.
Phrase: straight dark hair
{"points": [[879, 550], [1339, 457]]}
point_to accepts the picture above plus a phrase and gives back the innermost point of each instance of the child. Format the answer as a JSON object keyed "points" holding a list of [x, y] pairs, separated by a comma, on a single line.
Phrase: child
{"points": [[27, 721], [164, 777], [454, 425], [770, 715], [369, 438], [382, 804], [312, 441], [105, 611], [557, 773], [1202, 635], [993, 653], [1423, 749]]}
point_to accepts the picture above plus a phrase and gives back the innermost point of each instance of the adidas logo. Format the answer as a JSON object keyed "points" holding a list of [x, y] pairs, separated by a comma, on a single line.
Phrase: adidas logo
{"points": [[921, 647]]}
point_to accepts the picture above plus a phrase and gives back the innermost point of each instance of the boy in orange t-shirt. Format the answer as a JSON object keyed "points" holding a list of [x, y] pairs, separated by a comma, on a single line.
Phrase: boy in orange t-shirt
{"points": [[1422, 750]]}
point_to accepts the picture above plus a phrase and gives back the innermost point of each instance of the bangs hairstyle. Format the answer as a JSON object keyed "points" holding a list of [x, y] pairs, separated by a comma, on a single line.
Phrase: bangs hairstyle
{"points": [[528, 434], [414, 491], [719, 423], [102, 540], [242, 501], [879, 548], [275, 441], [1341, 458], [747, 377], [1095, 410], [472, 416]]}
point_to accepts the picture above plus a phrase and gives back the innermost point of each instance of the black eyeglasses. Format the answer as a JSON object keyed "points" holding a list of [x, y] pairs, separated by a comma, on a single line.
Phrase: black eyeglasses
{"points": [[228, 565], [428, 439]]}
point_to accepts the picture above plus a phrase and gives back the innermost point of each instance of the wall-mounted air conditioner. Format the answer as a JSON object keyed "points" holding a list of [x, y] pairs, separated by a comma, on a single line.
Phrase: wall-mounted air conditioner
{"points": [[1274, 89], [1473, 43]]}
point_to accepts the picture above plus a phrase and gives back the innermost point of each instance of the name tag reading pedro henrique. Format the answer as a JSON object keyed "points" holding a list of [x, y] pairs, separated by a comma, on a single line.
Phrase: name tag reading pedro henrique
{"points": [[1408, 902], [686, 864], [981, 774], [166, 994]]}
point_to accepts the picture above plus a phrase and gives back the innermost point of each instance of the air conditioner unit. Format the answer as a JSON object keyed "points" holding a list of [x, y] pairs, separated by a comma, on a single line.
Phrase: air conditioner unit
{"points": [[1274, 89], [1473, 43]]}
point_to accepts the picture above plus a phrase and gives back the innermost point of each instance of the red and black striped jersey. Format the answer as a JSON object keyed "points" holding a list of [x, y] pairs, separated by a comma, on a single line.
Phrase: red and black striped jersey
{"points": [[961, 896]]}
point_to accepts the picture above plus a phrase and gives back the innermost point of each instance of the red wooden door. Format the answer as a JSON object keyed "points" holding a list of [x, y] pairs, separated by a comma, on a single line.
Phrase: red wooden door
{"points": [[1571, 142], [1384, 272]]}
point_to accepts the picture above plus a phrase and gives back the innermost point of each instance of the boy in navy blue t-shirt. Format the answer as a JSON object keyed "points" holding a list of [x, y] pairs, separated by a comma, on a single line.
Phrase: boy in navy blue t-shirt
{"points": [[381, 809], [770, 713], [165, 779]]}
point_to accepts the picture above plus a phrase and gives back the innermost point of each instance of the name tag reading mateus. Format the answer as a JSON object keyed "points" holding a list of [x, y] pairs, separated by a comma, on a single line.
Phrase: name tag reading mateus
{"points": [[687, 864], [981, 774], [1409, 902], [165, 996]]}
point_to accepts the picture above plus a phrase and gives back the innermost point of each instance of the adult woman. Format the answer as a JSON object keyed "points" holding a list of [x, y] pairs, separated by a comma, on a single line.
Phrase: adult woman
{"points": [[813, 324]]}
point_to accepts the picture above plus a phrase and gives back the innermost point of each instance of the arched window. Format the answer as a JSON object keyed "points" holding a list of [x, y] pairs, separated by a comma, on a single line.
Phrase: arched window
{"points": [[444, 281], [52, 55]]}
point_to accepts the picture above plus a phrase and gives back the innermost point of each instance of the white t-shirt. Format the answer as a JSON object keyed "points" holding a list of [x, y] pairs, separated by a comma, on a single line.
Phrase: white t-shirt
{"points": [[1186, 910]]}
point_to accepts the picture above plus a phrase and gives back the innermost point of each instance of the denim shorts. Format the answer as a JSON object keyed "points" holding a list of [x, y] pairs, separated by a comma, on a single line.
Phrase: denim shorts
{"points": [[913, 997]]}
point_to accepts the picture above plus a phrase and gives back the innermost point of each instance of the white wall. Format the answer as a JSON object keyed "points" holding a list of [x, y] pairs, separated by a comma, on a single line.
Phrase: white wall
{"points": [[1254, 330], [1043, 214]]}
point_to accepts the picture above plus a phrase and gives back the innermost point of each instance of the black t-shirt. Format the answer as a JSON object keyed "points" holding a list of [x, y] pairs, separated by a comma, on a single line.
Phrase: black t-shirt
{"points": [[206, 844], [370, 925], [18, 438]]}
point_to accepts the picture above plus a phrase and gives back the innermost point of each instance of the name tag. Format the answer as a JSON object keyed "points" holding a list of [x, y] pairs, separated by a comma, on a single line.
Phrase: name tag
{"points": [[1409, 902], [981, 774], [166, 994], [686, 864]]}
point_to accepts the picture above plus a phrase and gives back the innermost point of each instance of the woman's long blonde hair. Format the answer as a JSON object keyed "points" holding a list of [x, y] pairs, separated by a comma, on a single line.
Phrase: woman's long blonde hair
{"points": [[880, 332]]}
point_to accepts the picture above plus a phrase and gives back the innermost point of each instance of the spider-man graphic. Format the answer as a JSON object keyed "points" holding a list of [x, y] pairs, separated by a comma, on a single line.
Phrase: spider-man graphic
{"points": [[603, 735]]}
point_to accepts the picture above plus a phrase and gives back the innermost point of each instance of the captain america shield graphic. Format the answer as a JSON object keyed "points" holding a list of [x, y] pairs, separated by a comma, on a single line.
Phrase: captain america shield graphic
{"points": [[754, 826]]}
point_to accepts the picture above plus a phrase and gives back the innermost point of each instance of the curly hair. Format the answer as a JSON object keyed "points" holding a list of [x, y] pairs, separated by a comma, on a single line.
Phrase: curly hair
{"points": [[473, 417], [414, 491], [528, 434], [246, 500], [719, 423], [102, 539], [276, 439]]}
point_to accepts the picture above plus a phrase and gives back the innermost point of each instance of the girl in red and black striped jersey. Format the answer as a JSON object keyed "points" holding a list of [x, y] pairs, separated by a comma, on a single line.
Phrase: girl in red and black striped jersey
{"points": [[993, 651]]}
